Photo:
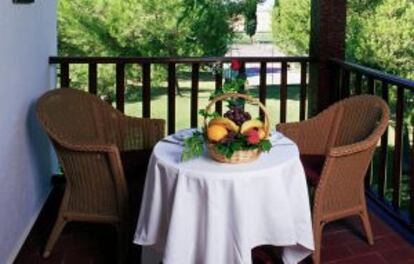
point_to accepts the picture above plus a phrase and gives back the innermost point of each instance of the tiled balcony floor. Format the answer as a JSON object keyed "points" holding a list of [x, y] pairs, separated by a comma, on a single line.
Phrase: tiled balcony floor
{"points": [[343, 242]]}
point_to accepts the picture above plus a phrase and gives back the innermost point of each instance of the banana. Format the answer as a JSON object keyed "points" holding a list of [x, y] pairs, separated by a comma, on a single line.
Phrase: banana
{"points": [[254, 123], [227, 123]]}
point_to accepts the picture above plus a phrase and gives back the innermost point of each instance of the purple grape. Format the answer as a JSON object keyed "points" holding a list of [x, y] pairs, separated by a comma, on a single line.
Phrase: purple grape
{"points": [[247, 116]]}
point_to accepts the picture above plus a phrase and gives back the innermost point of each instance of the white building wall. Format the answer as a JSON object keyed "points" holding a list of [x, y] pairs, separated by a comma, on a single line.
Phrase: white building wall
{"points": [[27, 39], [264, 18]]}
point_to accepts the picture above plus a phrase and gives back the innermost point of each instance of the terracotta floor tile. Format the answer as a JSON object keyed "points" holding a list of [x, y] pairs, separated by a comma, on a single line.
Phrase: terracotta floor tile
{"points": [[340, 239], [334, 253], [400, 255], [382, 243], [371, 258]]}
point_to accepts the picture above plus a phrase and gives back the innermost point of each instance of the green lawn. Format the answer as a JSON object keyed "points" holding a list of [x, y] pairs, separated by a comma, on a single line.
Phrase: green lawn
{"points": [[159, 102]]}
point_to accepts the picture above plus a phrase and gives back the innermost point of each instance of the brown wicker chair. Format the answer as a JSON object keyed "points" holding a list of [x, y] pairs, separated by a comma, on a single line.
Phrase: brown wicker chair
{"points": [[339, 144], [93, 142]]}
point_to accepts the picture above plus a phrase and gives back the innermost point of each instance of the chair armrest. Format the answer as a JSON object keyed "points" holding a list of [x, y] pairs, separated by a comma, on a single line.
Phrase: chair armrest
{"points": [[140, 133], [351, 149], [108, 148], [312, 135], [95, 155]]}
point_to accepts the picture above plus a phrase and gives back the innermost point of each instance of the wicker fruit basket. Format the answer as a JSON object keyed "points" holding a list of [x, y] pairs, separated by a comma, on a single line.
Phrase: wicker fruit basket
{"points": [[239, 156]]}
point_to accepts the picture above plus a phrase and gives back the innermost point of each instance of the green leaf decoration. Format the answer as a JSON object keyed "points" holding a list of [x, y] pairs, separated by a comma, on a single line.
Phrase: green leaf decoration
{"points": [[265, 145], [193, 146]]}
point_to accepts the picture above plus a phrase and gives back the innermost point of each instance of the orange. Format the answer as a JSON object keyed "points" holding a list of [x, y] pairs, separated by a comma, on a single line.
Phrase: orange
{"points": [[216, 133]]}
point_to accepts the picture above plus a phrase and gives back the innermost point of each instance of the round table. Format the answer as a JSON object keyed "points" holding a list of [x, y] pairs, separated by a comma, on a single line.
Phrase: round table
{"points": [[202, 211]]}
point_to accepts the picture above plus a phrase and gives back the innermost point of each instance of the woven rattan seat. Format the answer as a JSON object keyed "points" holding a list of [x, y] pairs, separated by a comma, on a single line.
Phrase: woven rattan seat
{"points": [[347, 134], [89, 137]]}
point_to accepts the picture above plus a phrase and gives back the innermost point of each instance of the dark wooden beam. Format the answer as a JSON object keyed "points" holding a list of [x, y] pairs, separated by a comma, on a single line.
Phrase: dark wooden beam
{"points": [[328, 23]]}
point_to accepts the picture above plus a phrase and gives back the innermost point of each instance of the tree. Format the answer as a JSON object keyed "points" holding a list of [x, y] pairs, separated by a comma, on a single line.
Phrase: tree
{"points": [[380, 33], [385, 39], [291, 25], [144, 28], [250, 18]]}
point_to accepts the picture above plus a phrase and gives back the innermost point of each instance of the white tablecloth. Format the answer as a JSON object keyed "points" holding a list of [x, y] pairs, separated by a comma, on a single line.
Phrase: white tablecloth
{"points": [[202, 211]]}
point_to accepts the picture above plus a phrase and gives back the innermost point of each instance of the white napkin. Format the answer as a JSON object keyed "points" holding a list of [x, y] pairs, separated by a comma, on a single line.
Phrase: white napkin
{"points": [[183, 134]]}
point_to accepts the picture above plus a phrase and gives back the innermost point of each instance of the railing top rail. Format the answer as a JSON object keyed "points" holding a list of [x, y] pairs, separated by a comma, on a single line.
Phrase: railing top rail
{"points": [[376, 74], [162, 60]]}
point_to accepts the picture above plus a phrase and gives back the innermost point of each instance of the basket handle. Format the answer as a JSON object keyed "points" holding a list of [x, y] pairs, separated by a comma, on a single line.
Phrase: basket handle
{"points": [[248, 98]]}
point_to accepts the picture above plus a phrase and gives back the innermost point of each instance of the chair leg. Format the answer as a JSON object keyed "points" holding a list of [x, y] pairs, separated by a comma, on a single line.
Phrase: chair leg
{"points": [[317, 234], [54, 235], [367, 226]]}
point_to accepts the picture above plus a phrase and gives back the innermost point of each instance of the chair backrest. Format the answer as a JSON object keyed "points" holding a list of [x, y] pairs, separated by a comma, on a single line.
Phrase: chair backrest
{"points": [[355, 119], [359, 117], [73, 115]]}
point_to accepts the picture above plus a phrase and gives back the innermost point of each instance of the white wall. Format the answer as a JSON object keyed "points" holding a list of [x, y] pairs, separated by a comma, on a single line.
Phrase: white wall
{"points": [[27, 39]]}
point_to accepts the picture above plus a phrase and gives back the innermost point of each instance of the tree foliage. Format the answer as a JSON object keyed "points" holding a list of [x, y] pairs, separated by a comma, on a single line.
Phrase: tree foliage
{"points": [[145, 27], [250, 18], [380, 33], [291, 25], [385, 39]]}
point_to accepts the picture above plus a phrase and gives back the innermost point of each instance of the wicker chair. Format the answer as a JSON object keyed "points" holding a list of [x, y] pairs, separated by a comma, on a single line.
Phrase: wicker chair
{"points": [[94, 144], [336, 148]]}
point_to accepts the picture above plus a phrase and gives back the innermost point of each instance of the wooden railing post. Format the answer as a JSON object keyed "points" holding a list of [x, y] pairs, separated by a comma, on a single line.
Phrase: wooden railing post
{"points": [[195, 73], [242, 72], [358, 83], [345, 81], [219, 86], [411, 181], [371, 85], [303, 88], [283, 93], [92, 78], [262, 87], [120, 86], [146, 90], [171, 98], [382, 170], [396, 180], [64, 75]]}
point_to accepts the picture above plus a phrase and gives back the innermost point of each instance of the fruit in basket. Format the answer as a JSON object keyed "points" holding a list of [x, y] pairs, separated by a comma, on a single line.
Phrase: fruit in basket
{"points": [[253, 137], [225, 122], [262, 133], [232, 138], [216, 133], [237, 115], [251, 124]]}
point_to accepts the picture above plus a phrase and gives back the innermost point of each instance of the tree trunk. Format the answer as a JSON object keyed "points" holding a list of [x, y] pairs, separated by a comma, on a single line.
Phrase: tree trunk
{"points": [[177, 88]]}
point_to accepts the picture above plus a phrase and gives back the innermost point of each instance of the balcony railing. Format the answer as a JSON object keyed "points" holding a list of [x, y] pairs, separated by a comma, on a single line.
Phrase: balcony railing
{"points": [[348, 79], [171, 63], [353, 79]]}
